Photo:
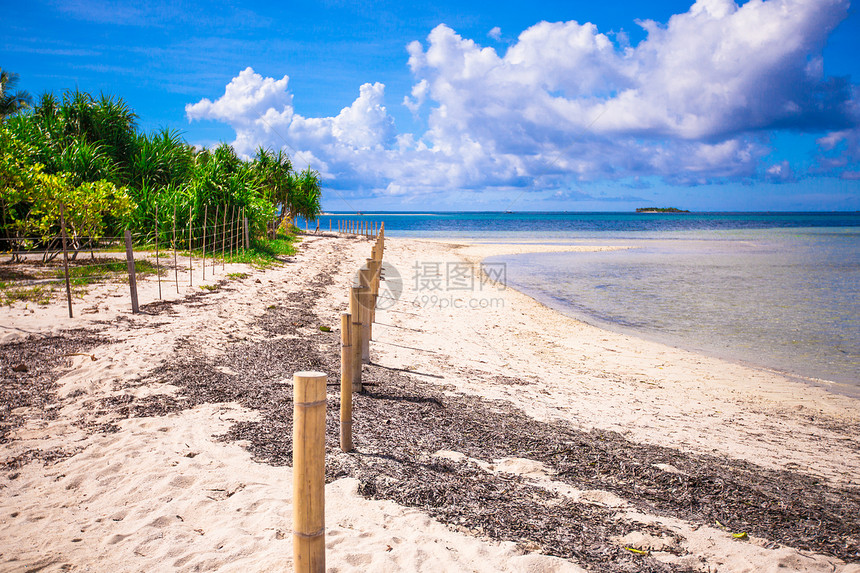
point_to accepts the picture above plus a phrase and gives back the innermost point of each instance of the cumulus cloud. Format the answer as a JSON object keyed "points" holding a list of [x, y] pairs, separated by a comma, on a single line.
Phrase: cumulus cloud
{"points": [[692, 103]]}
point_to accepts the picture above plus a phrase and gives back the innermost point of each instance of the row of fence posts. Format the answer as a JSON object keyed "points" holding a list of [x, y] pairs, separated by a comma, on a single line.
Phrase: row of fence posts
{"points": [[309, 402], [370, 229], [239, 238]]}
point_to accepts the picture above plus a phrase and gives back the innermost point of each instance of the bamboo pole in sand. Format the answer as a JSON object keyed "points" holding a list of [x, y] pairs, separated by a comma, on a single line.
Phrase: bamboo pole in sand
{"points": [[309, 402], [355, 332], [66, 258], [364, 281], [345, 382]]}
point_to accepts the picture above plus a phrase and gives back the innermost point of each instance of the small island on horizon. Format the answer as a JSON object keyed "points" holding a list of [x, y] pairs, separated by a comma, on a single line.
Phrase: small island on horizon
{"points": [[661, 210]]}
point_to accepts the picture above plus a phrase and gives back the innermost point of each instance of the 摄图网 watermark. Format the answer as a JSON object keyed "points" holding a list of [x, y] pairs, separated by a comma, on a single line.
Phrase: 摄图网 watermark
{"points": [[459, 276]]}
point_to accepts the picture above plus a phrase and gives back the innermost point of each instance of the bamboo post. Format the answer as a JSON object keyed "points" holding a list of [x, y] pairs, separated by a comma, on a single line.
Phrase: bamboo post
{"points": [[345, 383], [215, 238], [232, 229], [205, 217], [375, 267], [132, 279], [364, 281], [66, 258], [190, 256], [223, 236], [355, 336], [370, 297], [175, 263], [157, 263], [309, 402]]}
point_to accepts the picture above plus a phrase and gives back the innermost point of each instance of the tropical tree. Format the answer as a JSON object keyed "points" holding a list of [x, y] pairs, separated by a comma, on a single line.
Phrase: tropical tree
{"points": [[306, 196], [88, 152], [274, 175], [12, 101], [31, 200]]}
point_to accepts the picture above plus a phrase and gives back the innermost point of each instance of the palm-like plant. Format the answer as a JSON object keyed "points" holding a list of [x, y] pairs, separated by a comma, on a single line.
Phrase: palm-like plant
{"points": [[273, 173], [88, 150], [12, 101], [307, 195]]}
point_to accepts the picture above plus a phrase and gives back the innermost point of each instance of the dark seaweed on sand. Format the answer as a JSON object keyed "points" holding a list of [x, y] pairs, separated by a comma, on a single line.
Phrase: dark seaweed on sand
{"points": [[29, 369], [400, 422]]}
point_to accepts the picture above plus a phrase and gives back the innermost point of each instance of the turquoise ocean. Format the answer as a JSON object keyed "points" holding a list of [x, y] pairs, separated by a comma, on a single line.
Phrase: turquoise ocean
{"points": [[774, 290]]}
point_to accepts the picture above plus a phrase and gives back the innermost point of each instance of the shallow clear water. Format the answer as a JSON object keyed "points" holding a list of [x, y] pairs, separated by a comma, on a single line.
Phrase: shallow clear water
{"points": [[779, 290], [782, 300]]}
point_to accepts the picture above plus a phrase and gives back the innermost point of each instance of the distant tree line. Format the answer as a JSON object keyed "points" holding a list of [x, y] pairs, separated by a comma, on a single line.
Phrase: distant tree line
{"points": [[87, 153], [660, 210]]}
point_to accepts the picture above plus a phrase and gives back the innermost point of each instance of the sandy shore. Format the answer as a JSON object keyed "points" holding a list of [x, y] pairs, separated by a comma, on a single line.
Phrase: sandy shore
{"points": [[497, 435]]}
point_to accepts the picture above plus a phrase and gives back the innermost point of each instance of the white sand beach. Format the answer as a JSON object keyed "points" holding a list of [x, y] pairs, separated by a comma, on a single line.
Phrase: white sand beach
{"points": [[97, 478]]}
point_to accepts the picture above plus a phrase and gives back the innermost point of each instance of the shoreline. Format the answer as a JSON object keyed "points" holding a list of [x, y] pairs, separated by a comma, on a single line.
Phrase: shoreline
{"points": [[841, 388], [164, 439], [642, 358], [843, 384]]}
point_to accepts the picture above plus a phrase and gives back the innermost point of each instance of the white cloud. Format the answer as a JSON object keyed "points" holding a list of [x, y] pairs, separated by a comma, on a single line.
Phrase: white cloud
{"points": [[691, 103], [419, 95], [780, 172], [495, 33]]}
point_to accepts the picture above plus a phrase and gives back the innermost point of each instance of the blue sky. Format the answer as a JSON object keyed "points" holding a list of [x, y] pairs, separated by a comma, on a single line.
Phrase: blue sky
{"points": [[487, 106]]}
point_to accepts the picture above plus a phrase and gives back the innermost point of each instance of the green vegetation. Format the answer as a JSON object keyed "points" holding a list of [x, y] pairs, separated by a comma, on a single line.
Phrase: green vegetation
{"points": [[49, 279], [11, 101], [40, 294], [86, 153], [660, 210]]}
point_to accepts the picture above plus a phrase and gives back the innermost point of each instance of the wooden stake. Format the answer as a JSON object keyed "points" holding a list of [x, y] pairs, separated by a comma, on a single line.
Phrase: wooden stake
{"points": [[364, 281], [205, 217], [247, 235], [309, 401], [223, 236], [157, 265], [355, 334], [215, 238], [175, 263], [190, 256], [232, 229], [132, 279], [345, 382], [66, 258], [375, 267]]}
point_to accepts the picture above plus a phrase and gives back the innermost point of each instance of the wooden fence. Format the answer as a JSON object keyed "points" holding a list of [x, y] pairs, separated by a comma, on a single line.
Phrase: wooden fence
{"points": [[309, 397], [224, 234]]}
